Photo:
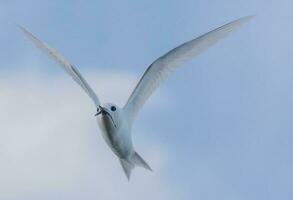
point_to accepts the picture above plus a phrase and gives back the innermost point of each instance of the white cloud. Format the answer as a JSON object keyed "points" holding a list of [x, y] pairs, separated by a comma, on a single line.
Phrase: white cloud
{"points": [[50, 146]]}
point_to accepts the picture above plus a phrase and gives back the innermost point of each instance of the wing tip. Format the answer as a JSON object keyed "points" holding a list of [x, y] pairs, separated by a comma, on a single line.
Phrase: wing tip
{"points": [[235, 24], [22, 28], [27, 33], [245, 19]]}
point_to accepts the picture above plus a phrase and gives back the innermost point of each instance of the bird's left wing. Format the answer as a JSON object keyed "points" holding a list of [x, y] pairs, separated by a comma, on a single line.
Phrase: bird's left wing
{"points": [[69, 68], [162, 67]]}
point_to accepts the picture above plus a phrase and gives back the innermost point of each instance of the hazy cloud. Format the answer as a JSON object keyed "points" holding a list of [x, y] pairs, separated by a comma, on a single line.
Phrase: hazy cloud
{"points": [[51, 146]]}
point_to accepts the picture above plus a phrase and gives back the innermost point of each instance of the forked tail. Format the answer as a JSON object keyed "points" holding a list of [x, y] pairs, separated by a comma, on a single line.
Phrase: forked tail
{"points": [[135, 160]]}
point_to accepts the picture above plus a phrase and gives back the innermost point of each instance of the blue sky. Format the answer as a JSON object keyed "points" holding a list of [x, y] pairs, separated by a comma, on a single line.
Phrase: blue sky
{"points": [[236, 142]]}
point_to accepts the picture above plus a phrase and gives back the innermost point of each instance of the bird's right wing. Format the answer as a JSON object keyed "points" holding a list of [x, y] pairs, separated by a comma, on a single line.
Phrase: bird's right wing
{"points": [[69, 68], [162, 67]]}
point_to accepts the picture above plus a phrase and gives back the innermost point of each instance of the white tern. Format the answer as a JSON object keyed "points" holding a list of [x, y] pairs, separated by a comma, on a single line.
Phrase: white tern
{"points": [[116, 122]]}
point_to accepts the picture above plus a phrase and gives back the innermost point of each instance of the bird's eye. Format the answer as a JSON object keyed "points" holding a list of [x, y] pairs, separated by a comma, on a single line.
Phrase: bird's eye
{"points": [[113, 108]]}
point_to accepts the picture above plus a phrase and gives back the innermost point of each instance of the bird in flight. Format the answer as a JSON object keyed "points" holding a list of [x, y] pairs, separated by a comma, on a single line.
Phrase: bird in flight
{"points": [[116, 122]]}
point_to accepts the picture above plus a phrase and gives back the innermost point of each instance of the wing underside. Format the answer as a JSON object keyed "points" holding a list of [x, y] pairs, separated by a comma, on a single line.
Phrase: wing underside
{"points": [[163, 66], [69, 68]]}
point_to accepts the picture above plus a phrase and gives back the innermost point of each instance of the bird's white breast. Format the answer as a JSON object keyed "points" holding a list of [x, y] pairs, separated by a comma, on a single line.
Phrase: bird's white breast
{"points": [[118, 138]]}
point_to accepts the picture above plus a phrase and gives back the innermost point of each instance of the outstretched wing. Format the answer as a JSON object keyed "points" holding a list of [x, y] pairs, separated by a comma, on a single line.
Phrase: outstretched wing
{"points": [[69, 68], [164, 65]]}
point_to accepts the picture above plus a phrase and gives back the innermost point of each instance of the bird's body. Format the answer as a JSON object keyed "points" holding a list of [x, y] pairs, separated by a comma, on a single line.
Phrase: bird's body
{"points": [[115, 122], [118, 136], [116, 131]]}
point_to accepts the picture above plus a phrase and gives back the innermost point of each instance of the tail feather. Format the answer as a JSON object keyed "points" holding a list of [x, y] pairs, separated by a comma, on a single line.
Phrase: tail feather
{"points": [[135, 160], [139, 161], [127, 167]]}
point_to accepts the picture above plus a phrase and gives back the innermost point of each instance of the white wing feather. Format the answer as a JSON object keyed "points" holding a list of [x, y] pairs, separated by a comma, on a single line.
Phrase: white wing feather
{"points": [[69, 68], [164, 65]]}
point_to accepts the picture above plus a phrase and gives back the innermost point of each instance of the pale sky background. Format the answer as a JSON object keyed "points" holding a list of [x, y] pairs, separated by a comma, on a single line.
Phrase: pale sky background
{"points": [[219, 129]]}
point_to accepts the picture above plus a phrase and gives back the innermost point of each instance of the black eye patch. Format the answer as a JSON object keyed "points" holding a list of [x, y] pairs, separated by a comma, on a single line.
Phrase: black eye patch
{"points": [[113, 108]]}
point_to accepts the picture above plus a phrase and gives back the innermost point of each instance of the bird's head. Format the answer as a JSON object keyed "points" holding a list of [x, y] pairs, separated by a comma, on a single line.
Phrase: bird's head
{"points": [[109, 113]]}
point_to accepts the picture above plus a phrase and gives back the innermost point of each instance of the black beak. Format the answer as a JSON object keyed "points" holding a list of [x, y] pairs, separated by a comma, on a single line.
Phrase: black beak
{"points": [[100, 109]]}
